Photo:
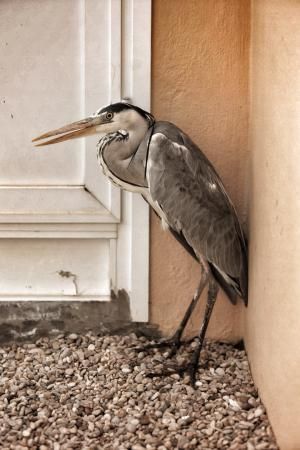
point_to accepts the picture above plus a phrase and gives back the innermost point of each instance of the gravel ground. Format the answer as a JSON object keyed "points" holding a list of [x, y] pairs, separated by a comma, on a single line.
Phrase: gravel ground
{"points": [[88, 392]]}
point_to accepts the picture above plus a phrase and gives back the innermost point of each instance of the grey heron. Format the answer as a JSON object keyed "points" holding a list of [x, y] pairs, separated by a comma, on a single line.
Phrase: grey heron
{"points": [[159, 161]]}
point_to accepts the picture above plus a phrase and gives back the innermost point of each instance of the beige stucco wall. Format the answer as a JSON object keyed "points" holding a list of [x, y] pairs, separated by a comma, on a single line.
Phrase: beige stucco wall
{"points": [[200, 82], [272, 326]]}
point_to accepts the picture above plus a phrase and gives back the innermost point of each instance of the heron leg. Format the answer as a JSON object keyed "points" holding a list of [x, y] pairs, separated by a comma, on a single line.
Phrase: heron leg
{"points": [[176, 338], [175, 341], [192, 366], [211, 300]]}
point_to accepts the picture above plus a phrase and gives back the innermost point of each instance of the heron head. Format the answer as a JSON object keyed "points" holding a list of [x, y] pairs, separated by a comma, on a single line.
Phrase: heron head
{"points": [[111, 118]]}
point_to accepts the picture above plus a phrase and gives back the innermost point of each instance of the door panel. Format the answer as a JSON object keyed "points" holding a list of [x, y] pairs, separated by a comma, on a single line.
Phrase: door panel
{"points": [[43, 268], [41, 79]]}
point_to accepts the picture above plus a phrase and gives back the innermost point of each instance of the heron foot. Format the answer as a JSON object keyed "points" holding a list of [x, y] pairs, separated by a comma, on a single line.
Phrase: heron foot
{"points": [[190, 369]]}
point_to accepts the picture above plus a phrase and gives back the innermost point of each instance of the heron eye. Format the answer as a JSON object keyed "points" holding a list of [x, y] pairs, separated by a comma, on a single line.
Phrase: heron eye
{"points": [[109, 115]]}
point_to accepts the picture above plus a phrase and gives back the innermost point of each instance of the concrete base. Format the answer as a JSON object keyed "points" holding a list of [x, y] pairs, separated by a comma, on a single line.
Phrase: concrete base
{"points": [[26, 321]]}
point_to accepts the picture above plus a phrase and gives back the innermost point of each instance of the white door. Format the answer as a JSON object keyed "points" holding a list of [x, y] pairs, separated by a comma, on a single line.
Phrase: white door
{"points": [[66, 232]]}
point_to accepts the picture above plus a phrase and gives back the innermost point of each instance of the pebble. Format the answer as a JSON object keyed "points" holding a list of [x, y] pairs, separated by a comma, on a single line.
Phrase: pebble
{"points": [[26, 433], [91, 392], [73, 337], [131, 428], [258, 412], [173, 426], [144, 420], [183, 421], [252, 401], [154, 396]]}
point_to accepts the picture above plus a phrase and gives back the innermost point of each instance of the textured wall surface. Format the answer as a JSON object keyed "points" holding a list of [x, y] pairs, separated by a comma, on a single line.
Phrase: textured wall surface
{"points": [[273, 332], [200, 82]]}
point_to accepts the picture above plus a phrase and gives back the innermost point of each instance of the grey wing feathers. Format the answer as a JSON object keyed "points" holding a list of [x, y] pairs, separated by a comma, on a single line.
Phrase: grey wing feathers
{"points": [[199, 212]]}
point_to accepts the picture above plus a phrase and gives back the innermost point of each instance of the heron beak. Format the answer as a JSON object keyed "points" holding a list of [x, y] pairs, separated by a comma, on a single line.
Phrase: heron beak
{"points": [[74, 130]]}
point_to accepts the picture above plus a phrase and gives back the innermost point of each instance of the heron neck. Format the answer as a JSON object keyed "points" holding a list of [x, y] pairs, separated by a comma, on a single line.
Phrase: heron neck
{"points": [[126, 158]]}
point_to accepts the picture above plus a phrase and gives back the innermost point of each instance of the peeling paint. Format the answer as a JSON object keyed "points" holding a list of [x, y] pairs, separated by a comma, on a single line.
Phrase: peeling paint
{"points": [[24, 334], [73, 276]]}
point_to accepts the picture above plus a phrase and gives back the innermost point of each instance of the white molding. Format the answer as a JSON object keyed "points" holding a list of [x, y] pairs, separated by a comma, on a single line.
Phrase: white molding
{"points": [[107, 194], [43, 232], [136, 82], [115, 83], [141, 84], [51, 204], [113, 264], [114, 64]]}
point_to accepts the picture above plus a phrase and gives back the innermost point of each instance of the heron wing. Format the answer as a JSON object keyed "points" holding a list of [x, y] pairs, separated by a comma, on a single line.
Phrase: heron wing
{"points": [[192, 197]]}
